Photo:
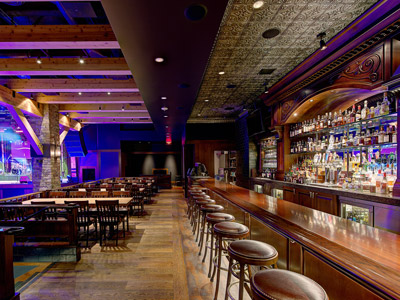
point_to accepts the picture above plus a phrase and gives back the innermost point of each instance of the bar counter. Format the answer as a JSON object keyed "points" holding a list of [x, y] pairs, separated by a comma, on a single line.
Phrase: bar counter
{"points": [[350, 260]]}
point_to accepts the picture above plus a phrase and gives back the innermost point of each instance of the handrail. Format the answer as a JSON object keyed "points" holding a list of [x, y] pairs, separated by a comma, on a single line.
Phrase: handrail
{"points": [[22, 196]]}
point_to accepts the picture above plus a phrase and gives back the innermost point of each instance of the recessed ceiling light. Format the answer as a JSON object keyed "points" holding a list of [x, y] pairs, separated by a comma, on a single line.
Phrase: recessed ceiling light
{"points": [[123, 108], [165, 116], [295, 114], [311, 100], [221, 73], [271, 33], [159, 59], [38, 60], [81, 61], [164, 108], [195, 12], [80, 93], [206, 100], [164, 98], [258, 4]]}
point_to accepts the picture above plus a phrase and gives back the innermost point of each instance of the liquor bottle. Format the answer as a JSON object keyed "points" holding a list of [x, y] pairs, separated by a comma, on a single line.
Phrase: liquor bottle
{"points": [[384, 184], [371, 113], [329, 120], [353, 114], [334, 120], [340, 118], [317, 125], [358, 114], [365, 111], [381, 136], [378, 109], [387, 134], [385, 105], [367, 138]]}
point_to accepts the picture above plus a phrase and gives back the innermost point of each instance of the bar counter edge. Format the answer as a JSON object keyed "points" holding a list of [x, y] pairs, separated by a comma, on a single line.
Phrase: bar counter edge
{"points": [[345, 256]]}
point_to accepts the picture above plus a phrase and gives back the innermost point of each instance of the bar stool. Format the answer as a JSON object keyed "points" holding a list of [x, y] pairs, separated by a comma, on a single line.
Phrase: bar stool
{"points": [[203, 211], [274, 284], [193, 199], [197, 215], [250, 253], [224, 231], [212, 219]]}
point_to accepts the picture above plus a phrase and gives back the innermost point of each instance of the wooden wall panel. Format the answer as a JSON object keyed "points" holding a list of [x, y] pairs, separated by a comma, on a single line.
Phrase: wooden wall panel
{"points": [[204, 151], [336, 284]]}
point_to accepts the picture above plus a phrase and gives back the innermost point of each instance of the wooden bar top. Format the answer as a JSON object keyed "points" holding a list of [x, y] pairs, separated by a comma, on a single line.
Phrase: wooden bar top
{"points": [[366, 252]]}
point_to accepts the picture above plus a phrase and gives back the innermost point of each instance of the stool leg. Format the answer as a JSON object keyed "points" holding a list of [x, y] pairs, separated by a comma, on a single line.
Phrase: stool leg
{"points": [[205, 244], [241, 281], [228, 279], [198, 225], [211, 252], [217, 255], [201, 229], [218, 268]]}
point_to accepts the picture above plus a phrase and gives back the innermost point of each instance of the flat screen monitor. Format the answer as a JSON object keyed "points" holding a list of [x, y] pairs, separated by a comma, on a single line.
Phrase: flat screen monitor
{"points": [[255, 123]]}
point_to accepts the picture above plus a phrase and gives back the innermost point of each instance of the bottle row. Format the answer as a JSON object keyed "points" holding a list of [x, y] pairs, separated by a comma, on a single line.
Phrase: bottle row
{"points": [[385, 134], [340, 118], [365, 172]]}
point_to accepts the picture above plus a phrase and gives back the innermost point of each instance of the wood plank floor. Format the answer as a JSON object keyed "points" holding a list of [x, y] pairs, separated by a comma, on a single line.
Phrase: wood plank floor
{"points": [[157, 260]]}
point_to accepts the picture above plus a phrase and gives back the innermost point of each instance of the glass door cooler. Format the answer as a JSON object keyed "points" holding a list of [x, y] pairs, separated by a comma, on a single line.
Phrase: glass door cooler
{"points": [[357, 212]]}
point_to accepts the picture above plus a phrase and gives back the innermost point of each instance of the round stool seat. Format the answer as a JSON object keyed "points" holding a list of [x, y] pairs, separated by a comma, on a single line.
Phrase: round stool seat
{"points": [[281, 284], [253, 252], [214, 218], [231, 230], [201, 197], [211, 208], [197, 192], [205, 201]]}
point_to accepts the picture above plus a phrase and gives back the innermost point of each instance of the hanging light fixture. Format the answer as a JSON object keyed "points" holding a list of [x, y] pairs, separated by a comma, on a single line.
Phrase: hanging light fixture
{"points": [[322, 44]]}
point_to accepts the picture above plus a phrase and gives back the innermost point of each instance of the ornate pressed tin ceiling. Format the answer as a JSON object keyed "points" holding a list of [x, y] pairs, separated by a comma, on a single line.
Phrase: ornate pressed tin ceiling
{"points": [[241, 51]]}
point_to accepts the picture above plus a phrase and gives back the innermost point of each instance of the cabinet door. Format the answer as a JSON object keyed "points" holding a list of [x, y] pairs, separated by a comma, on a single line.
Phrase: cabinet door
{"points": [[289, 194], [305, 198], [327, 203]]}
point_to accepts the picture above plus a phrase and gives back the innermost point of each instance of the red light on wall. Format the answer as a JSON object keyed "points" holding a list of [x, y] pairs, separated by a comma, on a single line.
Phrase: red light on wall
{"points": [[168, 140]]}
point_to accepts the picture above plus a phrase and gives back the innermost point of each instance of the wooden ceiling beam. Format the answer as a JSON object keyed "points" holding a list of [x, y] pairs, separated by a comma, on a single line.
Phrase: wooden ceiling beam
{"points": [[9, 98], [114, 108], [63, 66], [91, 98], [13, 37], [71, 85], [109, 115], [69, 123]]}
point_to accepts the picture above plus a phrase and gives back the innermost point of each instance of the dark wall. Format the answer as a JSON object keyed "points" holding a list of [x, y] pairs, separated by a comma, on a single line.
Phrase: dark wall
{"points": [[210, 131]]}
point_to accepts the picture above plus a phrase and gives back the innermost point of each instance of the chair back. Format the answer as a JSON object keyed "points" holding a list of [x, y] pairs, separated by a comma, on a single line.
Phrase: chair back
{"points": [[119, 186], [58, 194], [99, 194], [77, 194], [108, 211], [121, 193], [83, 210], [51, 213]]}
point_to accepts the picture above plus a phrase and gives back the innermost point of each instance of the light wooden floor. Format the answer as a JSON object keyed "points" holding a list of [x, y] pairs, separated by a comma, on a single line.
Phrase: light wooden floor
{"points": [[157, 260]]}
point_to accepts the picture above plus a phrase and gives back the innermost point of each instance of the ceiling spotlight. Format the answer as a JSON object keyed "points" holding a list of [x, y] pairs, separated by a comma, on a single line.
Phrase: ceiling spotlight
{"points": [[322, 44], [123, 108], [311, 100], [164, 108], [206, 100], [114, 120], [265, 90], [67, 114], [258, 4], [109, 93], [166, 126], [80, 93], [39, 60], [31, 96], [163, 98], [165, 116], [100, 107], [81, 61], [221, 73], [198, 115], [159, 59]]}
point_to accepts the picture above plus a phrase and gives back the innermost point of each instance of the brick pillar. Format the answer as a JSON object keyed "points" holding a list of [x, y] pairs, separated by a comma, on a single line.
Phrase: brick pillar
{"points": [[46, 169]]}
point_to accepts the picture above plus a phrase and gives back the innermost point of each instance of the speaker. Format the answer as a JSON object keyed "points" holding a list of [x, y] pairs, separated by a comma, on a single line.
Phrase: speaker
{"points": [[75, 144]]}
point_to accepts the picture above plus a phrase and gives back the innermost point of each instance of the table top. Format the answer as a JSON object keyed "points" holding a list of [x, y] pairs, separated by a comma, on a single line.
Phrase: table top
{"points": [[92, 201], [368, 252]]}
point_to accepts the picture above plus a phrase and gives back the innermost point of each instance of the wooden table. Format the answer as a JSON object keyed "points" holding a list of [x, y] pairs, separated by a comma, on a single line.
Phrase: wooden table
{"points": [[350, 260], [123, 201]]}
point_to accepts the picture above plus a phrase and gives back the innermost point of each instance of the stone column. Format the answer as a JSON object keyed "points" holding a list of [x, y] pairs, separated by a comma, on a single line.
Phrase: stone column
{"points": [[46, 169]]}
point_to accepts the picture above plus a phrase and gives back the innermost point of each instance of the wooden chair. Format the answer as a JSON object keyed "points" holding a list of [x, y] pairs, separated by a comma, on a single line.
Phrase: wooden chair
{"points": [[137, 200], [77, 194], [58, 194], [84, 219], [51, 213], [109, 215], [99, 194], [119, 186], [124, 210]]}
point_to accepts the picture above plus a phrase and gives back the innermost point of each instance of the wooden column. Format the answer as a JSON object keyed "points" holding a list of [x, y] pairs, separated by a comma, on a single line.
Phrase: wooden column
{"points": [[7, 289]]}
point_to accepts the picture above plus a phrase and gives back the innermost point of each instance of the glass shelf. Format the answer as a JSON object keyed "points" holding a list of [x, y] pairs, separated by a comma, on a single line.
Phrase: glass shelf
{"points": [[352, 148], [345, 126]]}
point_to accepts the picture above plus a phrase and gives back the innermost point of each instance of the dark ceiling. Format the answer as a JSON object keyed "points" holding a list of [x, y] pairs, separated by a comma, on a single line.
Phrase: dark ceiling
{"points": [[153, 28]]}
